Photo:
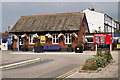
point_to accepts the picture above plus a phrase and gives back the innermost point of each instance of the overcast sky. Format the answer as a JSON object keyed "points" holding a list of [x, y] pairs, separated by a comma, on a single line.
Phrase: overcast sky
{"points": [[11, 11]]}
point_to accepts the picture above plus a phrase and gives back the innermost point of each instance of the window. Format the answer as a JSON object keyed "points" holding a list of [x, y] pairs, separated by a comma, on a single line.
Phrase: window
{"points": [[102, 39], [55, 39], [67, 38], [83, 38], [86, 29], [109, 29], [112, 29], [21, 42], [118, 40], [106, 28], [97, 39], [89, 39], [31, 39]]}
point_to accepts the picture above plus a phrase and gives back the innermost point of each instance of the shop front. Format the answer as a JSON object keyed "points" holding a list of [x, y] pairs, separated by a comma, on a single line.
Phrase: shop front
{"points": [[102, 41], [116, 42]]}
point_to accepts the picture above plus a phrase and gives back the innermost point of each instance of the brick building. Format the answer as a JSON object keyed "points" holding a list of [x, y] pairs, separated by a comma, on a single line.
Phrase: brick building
{"points": [[54, 24]]}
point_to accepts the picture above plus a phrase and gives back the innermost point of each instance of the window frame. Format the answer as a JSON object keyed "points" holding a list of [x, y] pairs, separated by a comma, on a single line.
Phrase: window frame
{"points": [[97, 39], [68, 38], [31, 39], [105, 28], [21, 42], [109, 29], [56, 37]]}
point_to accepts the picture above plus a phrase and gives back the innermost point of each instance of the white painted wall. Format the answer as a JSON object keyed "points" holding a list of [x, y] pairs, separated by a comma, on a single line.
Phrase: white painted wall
{"points": [[114, 24], [95, 20], [112, 30]]}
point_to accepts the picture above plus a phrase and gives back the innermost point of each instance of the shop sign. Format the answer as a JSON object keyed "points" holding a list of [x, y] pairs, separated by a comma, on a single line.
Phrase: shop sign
{"points": [[42, 39], [118, 46], [119, 40]]}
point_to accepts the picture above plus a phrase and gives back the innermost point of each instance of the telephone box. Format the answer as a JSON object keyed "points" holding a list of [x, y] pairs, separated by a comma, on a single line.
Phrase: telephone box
{"points": [[102, 39]]}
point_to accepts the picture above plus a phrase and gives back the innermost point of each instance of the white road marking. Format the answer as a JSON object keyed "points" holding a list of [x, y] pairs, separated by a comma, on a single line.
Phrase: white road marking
{"points": [[19, 63], [72, 74], [52, 53]]}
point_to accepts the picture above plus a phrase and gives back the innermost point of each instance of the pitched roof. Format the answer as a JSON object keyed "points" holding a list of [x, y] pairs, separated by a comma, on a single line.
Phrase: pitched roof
{"points": [[118, 22], [5, 33], [52, 22]]}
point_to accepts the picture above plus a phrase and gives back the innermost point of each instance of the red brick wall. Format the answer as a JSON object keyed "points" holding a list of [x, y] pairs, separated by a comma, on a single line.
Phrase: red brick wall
{"points": [[63, 45]]}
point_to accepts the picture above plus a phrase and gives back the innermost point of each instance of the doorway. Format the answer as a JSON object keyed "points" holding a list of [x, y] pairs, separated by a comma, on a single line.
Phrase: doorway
{"points": [[20, 43]]}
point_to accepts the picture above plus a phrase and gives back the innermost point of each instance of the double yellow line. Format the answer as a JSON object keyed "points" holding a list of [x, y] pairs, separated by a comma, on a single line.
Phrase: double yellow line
{"points": [[15, 66], [63, 76]]}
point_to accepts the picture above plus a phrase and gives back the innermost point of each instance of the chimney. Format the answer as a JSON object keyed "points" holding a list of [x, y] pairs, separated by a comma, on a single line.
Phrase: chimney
{"points": [[92, 9]]}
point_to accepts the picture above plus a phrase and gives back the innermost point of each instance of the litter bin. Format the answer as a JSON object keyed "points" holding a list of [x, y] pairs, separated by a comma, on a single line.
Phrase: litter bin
{"points": [[9, 47], [79, 49]]}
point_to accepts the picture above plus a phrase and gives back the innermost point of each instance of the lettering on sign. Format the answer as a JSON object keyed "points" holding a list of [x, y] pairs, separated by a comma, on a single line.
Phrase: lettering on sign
{"points": [[42, 39]]}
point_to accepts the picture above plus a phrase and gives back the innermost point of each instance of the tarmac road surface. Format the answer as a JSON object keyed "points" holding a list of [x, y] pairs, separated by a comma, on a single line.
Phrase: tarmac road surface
{"points": [[51, 65]]}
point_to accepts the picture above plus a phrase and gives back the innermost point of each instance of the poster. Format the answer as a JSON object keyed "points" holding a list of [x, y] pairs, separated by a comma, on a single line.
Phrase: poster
{"points": [[118, 40], [9, 40], [102, 39], [42, 39], [97, 39], [118, 46]]}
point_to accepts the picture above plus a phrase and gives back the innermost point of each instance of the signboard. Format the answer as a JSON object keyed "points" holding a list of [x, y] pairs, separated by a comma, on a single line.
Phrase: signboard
{"points": [[118, 46], [97, 39], [108, 39], [4, 45], [119, 40], [42, 39], [103, 39], [116, 35], [9, 40]]}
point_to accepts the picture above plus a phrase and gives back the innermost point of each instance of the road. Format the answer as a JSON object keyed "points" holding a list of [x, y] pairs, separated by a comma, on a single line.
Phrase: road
{"points": [[51, 66]]}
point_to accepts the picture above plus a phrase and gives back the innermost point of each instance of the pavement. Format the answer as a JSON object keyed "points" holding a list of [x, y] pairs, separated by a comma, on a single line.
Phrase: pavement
{"points": [[84, 52], [51, 65], [111, 71]]}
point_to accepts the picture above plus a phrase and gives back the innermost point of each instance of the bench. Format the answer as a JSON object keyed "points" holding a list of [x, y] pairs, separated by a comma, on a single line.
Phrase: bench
{"points": [[48, 48]]}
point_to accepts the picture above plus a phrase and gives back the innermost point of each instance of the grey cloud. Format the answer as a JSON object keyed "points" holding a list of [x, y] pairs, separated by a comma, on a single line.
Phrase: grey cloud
{"points": [[11, 11]]}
